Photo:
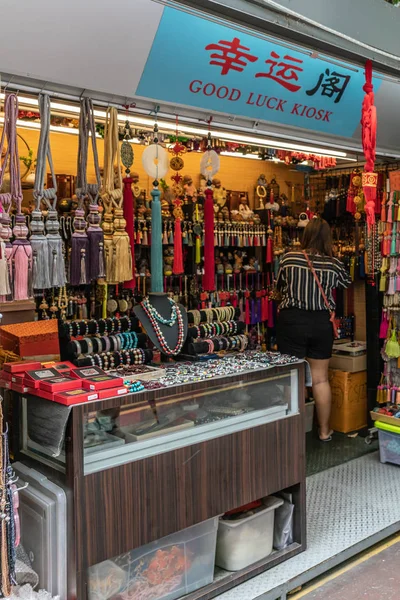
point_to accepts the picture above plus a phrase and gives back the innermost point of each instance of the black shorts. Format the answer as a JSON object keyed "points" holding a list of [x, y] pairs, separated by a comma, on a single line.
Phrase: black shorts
{"points": [[305, 333]]}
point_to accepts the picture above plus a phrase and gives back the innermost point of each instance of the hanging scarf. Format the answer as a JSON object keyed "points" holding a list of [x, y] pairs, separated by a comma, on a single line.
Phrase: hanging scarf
{"points": [[87, 256], [116, 240]]}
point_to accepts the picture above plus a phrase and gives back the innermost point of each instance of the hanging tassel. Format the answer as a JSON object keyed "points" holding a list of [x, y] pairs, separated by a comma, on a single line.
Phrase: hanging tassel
{"points": [[79, 273], [391, 289], [145, 236], [122, 255], [156, 243], [138, 238], [197, 258], [171, 236], [177, 267], [392, 346], [128, 207], [209, 258], [384, 326], [165, 236], [5, 287], [270, 249], [40, 253]]}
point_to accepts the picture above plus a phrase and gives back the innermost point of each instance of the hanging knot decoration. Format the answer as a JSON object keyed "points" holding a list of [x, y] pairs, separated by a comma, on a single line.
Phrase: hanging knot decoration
{"points": [[127, 158], [155, 163], [209, 166], [369, 126], [48, 259], [177, 267], [88, 194], [116, 240]]}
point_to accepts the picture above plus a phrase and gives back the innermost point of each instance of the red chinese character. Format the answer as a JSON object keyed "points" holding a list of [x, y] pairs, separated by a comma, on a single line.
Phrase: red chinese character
{"points": [[284, 72], [230, 55]]}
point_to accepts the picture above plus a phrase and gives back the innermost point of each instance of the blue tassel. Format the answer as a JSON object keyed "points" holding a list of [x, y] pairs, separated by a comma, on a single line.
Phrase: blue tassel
{"points": [[157, 284]]}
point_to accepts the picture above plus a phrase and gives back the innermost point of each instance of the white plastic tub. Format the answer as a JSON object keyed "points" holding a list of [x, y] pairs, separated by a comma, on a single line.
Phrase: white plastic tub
{"points": [[246, 541]]}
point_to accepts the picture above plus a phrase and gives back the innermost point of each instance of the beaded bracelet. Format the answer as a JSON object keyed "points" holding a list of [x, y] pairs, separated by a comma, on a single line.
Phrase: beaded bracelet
{"points": [[78, 347]]}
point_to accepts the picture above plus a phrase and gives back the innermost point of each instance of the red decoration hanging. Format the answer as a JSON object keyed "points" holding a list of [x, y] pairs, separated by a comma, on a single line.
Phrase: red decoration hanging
{"points": [[130, 226], [369, 126], [209, 260], [177, 267]]}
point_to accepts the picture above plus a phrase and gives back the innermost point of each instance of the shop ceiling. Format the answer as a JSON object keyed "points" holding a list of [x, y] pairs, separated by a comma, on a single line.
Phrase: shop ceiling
{"points": [[103, 54]]}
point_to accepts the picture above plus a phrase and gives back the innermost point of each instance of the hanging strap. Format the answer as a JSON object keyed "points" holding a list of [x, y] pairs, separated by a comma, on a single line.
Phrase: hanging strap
{"points": [[87, 126], [112, 186], [49, 195], [11, 157], [317, 281]]}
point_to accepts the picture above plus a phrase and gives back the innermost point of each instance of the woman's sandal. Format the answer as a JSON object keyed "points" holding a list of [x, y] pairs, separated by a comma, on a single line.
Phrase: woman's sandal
{"points": [[325, 440]]}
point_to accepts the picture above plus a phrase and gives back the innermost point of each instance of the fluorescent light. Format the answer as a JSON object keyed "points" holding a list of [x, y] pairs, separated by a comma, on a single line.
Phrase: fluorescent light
{"points": [[239, 155], [187, 129]]}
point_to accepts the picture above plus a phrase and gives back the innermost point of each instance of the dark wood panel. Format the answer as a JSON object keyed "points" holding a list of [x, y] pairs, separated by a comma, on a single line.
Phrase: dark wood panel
{"points": [[134, 504]]}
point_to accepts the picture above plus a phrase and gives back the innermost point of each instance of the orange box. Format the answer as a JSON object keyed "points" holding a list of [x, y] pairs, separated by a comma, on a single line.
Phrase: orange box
{"points": [[32, 339], [349, 400]]}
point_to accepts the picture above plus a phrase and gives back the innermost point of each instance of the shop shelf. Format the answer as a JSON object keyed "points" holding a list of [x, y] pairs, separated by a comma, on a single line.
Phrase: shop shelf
{"points": [[246, 541], [164, 570]]}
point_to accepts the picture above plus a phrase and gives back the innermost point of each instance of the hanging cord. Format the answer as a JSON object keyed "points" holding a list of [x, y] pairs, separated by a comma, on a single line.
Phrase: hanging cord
{"points": [[11, 158], [112, 182], [87, 126], [49, 195]]}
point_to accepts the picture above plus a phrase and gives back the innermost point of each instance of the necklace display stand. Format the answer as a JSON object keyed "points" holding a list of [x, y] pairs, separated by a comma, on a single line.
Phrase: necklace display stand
{"points": [[162, 305]]}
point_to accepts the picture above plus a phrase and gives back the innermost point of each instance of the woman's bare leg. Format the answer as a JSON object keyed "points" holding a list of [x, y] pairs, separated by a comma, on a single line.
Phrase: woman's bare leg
{"points": [[322, 395]]}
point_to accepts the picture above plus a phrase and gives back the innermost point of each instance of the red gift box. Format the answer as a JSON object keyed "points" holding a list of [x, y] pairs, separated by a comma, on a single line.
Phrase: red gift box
{"points": [[21, 389], [60, 384], [112, 392], [33, 378], [5, 376], [18, 378], [102, 382], [64, 367], [75, 397], [42, 394], [21, 367], [86, 372]]}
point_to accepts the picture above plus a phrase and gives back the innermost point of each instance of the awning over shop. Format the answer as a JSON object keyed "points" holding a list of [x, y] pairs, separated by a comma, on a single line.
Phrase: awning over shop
{"points": [[196, 66]]}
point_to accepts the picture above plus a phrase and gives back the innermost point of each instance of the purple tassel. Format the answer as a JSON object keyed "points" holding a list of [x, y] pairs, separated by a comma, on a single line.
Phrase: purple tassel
{"points": [[79, 264], [96, 252]]}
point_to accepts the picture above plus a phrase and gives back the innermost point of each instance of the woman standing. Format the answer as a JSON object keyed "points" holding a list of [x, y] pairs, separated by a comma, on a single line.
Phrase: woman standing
{"points": [[306, 279]]}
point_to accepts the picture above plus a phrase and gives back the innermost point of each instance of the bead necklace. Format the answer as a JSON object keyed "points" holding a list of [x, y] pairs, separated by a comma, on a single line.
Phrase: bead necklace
{"points": [[160, 336], [151, 309]]}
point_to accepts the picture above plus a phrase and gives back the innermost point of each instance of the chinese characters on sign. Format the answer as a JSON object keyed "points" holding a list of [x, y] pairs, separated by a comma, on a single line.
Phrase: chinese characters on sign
{"points": [[230, 56], [233, 56], [285, 72]]}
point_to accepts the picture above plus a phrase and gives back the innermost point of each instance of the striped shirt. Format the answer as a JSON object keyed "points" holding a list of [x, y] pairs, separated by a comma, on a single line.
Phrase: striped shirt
{"points": [[298, 286]]}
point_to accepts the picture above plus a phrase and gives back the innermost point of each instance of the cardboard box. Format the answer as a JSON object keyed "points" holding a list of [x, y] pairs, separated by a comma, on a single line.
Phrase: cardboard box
{"points": [[75, 397], [350, 364], [349, 400], [35, 338]]}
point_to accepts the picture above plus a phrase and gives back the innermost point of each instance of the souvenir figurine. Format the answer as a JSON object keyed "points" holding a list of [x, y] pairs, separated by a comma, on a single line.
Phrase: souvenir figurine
{"points": [[244, 208], [189, 188], [238, 264], [219, 193]]}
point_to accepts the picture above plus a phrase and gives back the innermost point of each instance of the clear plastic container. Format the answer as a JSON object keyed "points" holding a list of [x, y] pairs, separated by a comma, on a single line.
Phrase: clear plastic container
{"points": [[164, 570], [389, 447], [246, 541]]}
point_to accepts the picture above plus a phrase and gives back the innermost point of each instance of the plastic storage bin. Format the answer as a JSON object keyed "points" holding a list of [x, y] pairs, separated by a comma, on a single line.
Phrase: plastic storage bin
{"points": [[164, 570], [43, 514], [246, 541], [389, 442]]}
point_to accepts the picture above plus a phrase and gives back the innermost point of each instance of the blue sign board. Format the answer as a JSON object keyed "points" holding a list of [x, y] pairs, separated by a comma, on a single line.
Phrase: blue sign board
{"points": [[197, 62]]}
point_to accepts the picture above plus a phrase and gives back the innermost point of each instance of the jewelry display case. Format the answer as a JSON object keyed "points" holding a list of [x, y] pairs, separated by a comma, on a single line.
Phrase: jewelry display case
{"points": [[144, 466]]}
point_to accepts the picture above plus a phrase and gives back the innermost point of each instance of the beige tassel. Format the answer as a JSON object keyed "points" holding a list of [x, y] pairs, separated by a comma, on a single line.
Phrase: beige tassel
{"points": [[122, 256]]}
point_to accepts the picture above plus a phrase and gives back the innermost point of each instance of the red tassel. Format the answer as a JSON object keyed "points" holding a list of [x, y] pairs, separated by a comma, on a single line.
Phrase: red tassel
{"points": [[209, 260], [177, 267], [130, 226]]}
